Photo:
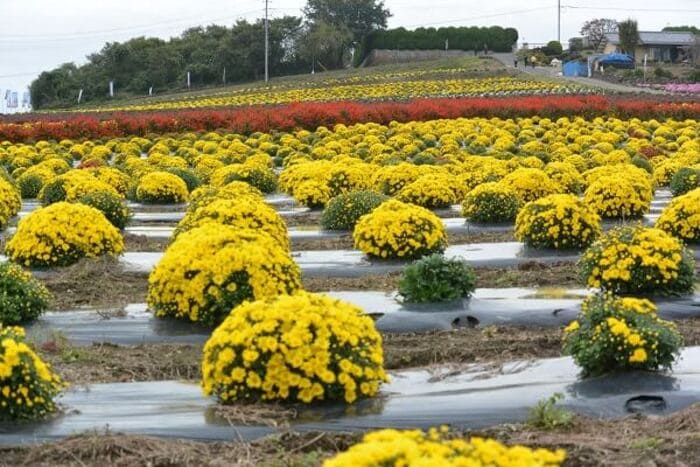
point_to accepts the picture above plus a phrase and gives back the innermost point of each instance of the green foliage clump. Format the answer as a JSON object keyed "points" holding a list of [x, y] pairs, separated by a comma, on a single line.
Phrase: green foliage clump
{"points": [[643, 163], [53, 192], [685, 180], [22, 297], [261, 178], [30, 185], [343, 211], [109, 204], [188, 176], [435, 278], [546, 415]]}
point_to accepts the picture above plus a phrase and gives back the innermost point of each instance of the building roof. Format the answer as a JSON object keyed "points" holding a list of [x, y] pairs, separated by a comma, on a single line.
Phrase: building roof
{"points": [[657, 38]]}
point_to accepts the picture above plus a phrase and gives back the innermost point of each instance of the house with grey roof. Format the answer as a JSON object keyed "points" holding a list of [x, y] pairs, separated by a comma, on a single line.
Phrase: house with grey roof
{"points": [[661, 46]]}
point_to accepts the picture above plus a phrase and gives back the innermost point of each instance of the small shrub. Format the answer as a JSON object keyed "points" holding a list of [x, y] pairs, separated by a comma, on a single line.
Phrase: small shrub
{"points": [[30, 185], [638, 260], [662, 73], [27, 384], [343, 211], [685, 180], [643, 163], [435, 278], [22, 297], [52, 192], [491, 202], [262, 178], [294, 348], [400, 230], [618, 334], [188, 176], [109, 204]]}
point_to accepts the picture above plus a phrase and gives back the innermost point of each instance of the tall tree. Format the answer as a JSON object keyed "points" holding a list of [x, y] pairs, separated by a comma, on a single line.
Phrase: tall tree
{"points": [[694, 29], [359, 16], [596, 29], [629, 36], [324, 44]]}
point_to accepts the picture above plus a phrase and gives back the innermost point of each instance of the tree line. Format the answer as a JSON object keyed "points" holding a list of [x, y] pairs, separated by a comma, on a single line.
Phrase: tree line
{"points": [[495, 38], [324, 38]]}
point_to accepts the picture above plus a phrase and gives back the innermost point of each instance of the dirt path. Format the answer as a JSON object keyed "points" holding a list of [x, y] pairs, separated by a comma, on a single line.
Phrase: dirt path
{"points": [[551, 73]]}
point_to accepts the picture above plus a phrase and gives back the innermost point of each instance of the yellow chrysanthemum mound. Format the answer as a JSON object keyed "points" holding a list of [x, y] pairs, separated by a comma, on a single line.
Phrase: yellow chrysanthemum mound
{"points": [[294, 348], [27, 384], [234, 190], [71, 186], [615, 197], [437, 447], [566, 175], [491, 202], [61, 234], [400, 230], [557, 221], [242, 213], [638, 260], [312, 193], [392, 178], [530, 184], [114, 177], [430, 191], [681, 218], [10, 202], [618, 334], [209, 270], [161, 187]]}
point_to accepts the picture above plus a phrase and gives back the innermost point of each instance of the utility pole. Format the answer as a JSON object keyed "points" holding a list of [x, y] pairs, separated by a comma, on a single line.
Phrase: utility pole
{"points": [[559, 21], [267, 43]]}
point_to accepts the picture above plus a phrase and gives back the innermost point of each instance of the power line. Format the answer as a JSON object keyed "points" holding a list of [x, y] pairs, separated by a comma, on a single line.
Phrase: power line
{"points": [[634, 9], [17, 75], [494, 15], [86, 34]]}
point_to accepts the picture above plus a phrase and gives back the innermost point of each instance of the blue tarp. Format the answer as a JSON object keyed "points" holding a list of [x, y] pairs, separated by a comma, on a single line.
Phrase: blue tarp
{"points": [[574, 68], [616, 60]]}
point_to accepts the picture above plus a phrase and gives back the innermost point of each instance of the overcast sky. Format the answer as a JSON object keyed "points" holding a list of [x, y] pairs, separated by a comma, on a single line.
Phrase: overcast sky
{"points": [[37, 35]]}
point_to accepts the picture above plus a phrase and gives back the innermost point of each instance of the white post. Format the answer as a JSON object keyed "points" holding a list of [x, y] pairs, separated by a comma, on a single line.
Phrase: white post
{"points": [[80, 95], [645, 68], [111, 89], [188, 80], [559, 21], [224, 77], [150, 91]]}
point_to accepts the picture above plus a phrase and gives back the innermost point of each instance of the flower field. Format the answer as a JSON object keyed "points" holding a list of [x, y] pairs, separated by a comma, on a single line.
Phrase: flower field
{"points": [[354, 273]]}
